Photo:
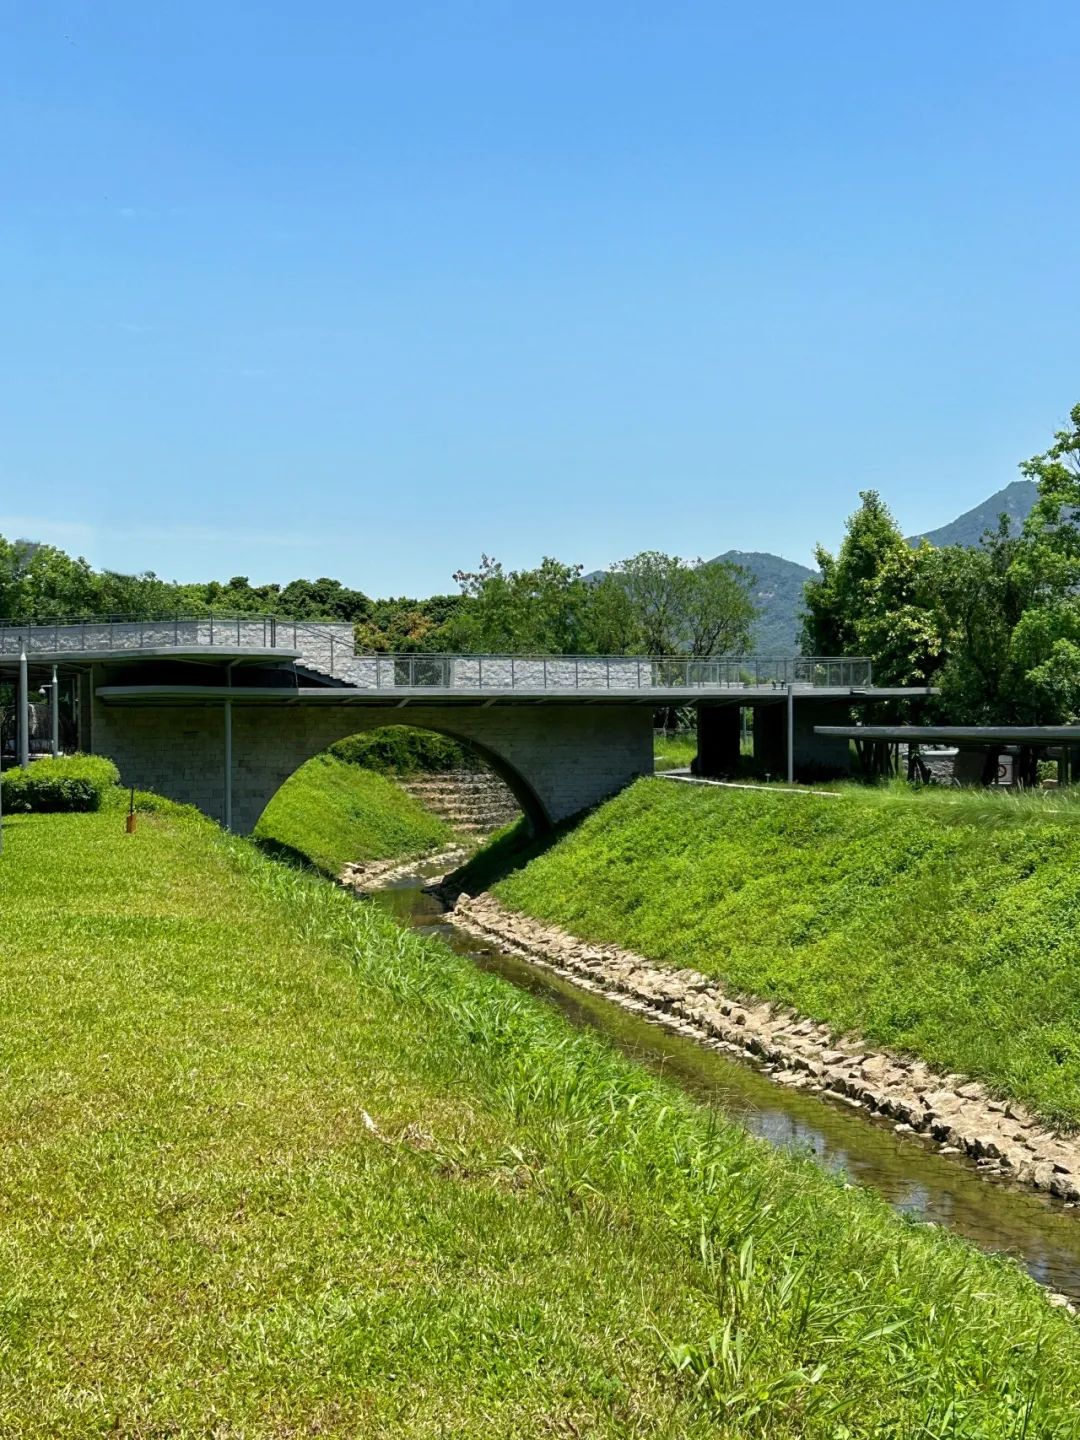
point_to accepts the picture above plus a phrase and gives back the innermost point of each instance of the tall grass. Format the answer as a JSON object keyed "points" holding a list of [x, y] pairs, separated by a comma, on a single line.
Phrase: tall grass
{"points": [[273, 1166], [941, 923]]}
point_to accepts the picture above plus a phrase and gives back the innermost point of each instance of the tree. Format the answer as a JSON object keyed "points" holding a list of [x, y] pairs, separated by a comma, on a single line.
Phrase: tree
{"points": [[977, 597], [544, 611], [872, 599], [680, 607], [1010, 607], [40, 582]]}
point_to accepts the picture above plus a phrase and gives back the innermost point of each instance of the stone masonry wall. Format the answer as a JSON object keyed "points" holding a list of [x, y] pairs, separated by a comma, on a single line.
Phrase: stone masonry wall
{"points": [[557, 759]]}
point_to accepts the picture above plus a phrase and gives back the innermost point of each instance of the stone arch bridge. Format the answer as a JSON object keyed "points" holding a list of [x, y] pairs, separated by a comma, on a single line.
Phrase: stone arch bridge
{"points": [[218, 712]]}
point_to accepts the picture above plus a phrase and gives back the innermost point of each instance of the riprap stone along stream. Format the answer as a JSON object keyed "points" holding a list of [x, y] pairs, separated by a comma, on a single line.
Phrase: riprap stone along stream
{"points": [[1037, 1230]]}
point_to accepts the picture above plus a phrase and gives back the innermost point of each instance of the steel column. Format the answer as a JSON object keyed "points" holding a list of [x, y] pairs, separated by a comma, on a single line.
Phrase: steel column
{"points": [[228, 764], [24, 713]]}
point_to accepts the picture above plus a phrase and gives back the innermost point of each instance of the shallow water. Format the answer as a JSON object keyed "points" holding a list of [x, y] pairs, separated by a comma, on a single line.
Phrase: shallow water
{"points": [[1036, 1230]]}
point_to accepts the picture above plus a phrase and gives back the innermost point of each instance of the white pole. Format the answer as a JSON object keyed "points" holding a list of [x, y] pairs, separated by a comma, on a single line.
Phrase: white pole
{"points": [[24, 713], [790, 734], [54, 695]]}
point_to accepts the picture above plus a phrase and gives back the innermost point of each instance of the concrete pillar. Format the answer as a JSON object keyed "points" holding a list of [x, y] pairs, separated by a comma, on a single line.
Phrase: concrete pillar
{"points": [[814, 756], [820, 756], [84, 695], [770, 738], [718, 734]]}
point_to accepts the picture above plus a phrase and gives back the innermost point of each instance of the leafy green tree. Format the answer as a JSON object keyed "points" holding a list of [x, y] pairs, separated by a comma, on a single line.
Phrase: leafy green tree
{"points": [[40, 582], [681, 607], [872, 598], [403, 625], [975, 597], [1010, 607], [544, 611]]}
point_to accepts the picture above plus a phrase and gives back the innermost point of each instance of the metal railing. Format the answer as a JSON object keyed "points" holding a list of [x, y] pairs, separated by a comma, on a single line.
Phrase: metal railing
{"points": [[328, 648]]}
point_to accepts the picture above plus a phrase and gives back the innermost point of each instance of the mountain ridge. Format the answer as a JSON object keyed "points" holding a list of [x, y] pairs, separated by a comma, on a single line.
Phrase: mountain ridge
{"points": [[778, 586]]}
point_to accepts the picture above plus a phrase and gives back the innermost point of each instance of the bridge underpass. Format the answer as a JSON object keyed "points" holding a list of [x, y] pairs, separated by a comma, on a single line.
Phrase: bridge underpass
{"points": [[219, 713]]}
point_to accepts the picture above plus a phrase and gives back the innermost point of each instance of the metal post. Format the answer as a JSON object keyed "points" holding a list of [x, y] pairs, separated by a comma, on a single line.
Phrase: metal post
{"points": [[791, 733], [228, 760], [24, 713], [54, 696]]}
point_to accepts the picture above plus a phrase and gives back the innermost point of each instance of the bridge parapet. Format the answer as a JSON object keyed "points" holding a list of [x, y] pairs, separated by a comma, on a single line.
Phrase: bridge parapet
{"points": [[122, 635], [329, 649]]}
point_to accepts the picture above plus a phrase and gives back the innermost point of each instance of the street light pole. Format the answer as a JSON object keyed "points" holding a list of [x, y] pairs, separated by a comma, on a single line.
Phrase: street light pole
{"points": [[54, 696], [24, 713]]}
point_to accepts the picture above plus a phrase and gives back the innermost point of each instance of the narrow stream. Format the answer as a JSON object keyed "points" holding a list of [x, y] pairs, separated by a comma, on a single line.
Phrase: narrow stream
{"points": [[943, 1190]]}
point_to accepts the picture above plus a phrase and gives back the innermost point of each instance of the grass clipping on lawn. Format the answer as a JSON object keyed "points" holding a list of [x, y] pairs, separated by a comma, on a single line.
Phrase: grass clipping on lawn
{"points": [[937, 923], [274, 1166]]}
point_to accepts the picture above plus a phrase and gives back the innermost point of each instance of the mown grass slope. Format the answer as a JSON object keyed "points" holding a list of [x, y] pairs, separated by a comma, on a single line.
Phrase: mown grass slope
{"points": [[937, 923], [274, 1167], [332, 812]]}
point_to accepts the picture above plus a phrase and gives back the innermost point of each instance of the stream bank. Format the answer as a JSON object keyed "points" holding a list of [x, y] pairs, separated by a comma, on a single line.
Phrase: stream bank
{"points": [[959, 1114], [950, 1190]]}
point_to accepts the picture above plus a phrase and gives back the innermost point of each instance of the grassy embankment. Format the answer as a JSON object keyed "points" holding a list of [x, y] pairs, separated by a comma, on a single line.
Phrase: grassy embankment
{"points": [[673, 752], [943, 924], [273, 1166], [332, 812]]}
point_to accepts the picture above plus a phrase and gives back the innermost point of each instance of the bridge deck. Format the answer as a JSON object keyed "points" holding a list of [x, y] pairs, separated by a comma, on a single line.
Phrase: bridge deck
{"points": [[400, 697]]}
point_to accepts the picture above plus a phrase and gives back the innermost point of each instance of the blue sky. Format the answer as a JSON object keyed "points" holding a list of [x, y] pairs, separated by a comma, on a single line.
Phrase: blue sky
{"points": [[337, 288]]}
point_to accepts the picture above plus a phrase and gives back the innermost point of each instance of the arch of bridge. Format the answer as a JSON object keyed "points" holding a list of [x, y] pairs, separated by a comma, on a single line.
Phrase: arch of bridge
{"points": [[558, 759]]}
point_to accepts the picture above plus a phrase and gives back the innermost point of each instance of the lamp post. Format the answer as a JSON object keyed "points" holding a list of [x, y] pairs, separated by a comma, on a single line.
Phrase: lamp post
{"points": [[24, 713]]}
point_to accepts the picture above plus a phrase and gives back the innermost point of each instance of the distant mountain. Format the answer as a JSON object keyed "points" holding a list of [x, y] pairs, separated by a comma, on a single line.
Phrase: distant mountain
{"points": [[1015, 501], [778, 594], [778, 590]]}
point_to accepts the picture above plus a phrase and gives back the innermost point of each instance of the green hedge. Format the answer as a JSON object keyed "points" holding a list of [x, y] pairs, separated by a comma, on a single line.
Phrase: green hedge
{"points": [[75, 782]]}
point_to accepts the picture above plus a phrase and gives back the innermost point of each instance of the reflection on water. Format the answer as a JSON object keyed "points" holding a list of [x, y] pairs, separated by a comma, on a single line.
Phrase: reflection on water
{"points": [[943, 1190]]}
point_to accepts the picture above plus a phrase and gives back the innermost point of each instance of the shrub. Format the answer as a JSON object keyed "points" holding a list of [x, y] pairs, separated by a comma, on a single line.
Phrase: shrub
{"points": [[401, 750], [75, 782]]}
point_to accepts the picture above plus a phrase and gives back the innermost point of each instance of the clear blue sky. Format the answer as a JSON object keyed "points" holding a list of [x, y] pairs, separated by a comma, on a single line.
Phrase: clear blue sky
{"points": [[361, 290]]}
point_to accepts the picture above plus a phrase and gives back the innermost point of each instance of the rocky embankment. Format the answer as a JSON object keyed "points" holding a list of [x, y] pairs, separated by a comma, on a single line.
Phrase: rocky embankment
{"points": [[472, 802], [957, 1114], [368, 875]]}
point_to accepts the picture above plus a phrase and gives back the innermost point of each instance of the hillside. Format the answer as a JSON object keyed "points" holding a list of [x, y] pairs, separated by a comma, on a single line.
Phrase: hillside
{"points": [[778, 593], [1014, 500]]}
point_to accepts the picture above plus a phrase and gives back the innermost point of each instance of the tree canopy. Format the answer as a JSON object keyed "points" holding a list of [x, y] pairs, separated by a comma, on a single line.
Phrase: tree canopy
{"points": [[996, 627]]}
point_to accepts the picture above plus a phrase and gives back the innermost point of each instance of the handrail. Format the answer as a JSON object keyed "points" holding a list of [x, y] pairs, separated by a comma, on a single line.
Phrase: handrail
{"points": [[328, 648]]}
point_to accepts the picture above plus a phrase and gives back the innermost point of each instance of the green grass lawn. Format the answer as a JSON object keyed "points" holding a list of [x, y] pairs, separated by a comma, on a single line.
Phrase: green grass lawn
{"points": [[274, 1167], [934, 922], [673, 752], [332, 812]]}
